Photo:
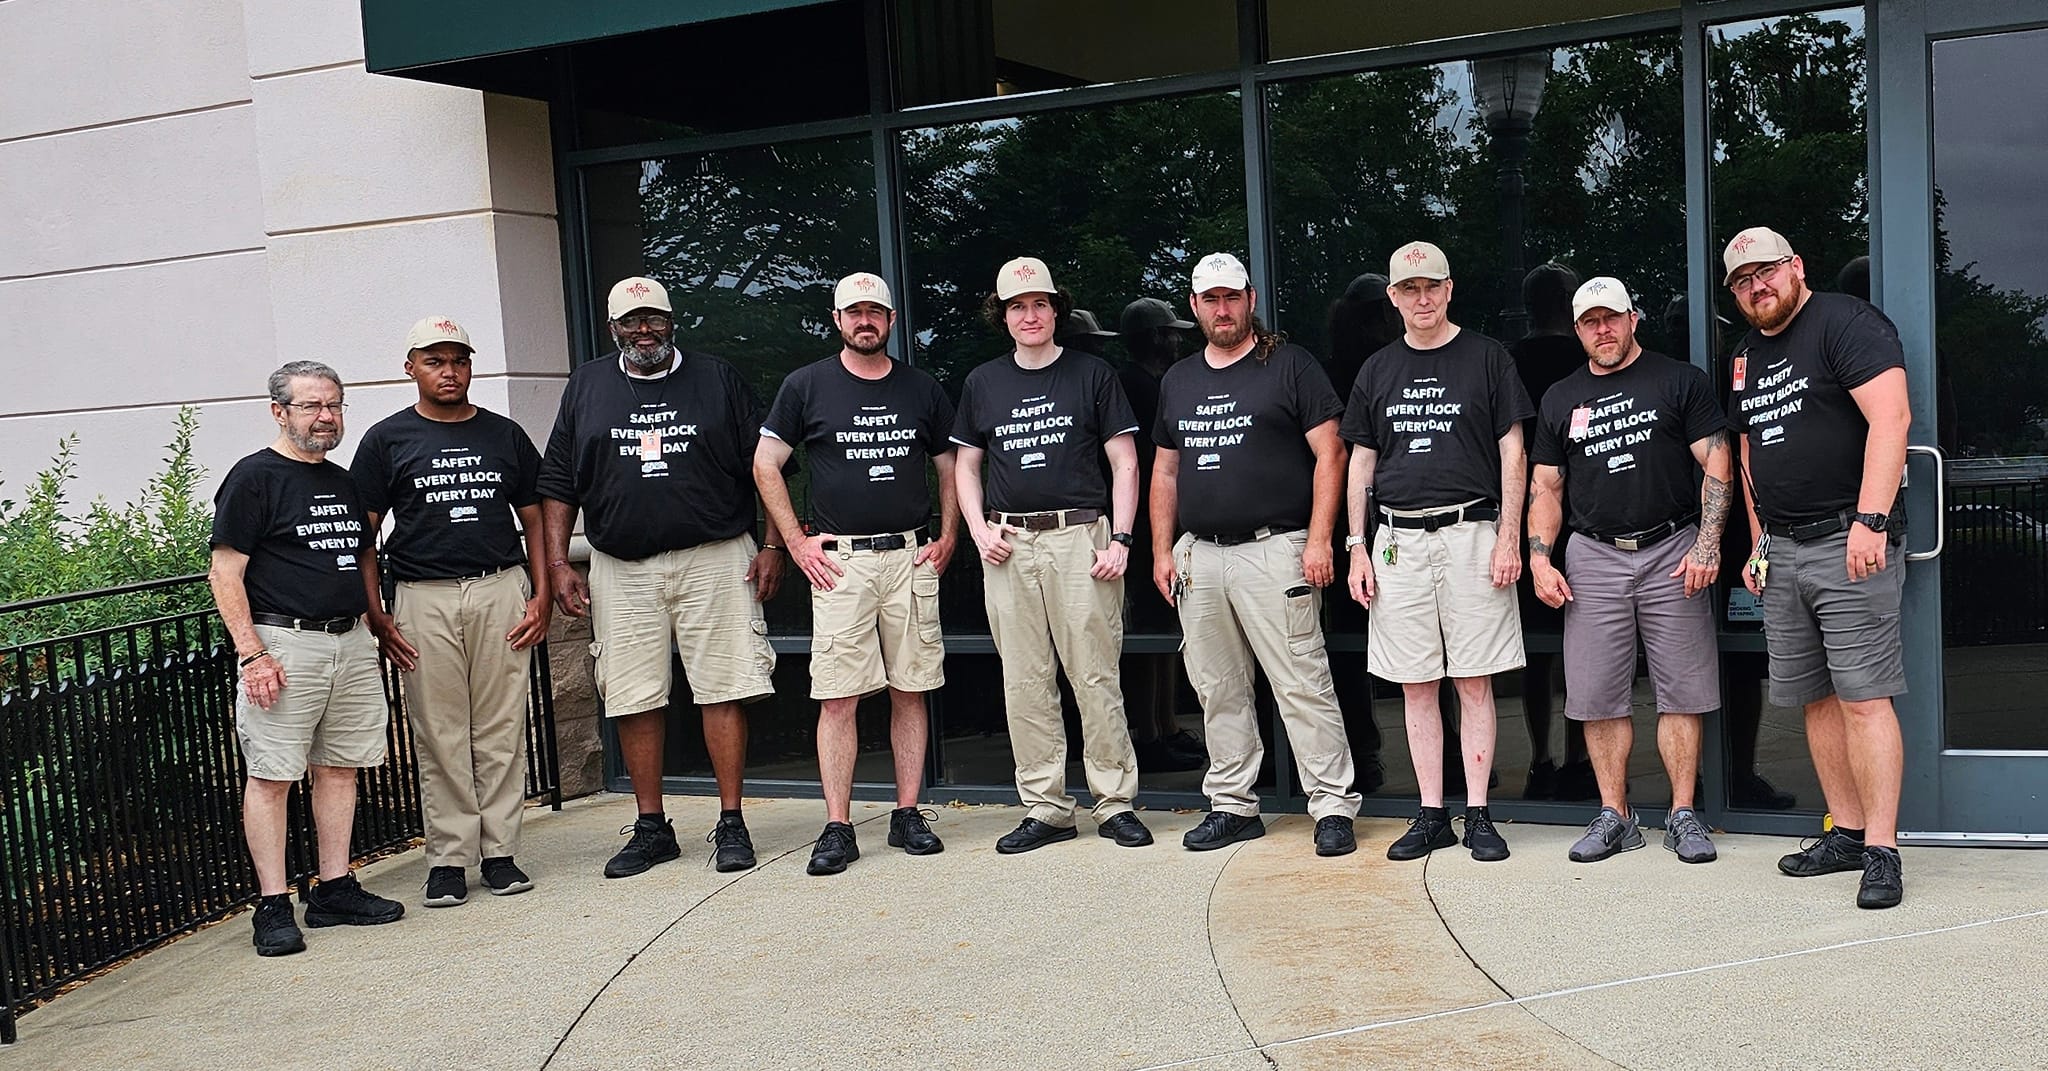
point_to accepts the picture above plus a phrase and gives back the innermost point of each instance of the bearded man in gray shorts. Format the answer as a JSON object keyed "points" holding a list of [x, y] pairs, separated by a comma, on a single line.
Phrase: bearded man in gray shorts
{"points": [[1623, 433]]}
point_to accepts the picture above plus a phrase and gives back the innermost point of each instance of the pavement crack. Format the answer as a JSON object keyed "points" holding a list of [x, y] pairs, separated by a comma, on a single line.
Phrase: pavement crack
{"points": [[658, 935], [1209, 937]]}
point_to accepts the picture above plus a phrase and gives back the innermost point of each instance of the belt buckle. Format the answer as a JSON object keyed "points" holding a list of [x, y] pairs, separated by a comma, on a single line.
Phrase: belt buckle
{"points": [[1434, 521], [1628, 544]]}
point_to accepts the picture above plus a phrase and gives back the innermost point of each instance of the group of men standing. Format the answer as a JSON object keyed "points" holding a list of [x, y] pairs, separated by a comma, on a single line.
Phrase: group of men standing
{"points": [[664, 451]]}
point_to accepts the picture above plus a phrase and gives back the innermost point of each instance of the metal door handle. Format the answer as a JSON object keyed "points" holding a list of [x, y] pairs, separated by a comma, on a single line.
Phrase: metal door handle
{"points": [[1940, 503]]}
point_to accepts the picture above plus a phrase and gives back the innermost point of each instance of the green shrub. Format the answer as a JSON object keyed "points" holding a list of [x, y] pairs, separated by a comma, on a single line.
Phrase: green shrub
{"points": [[45, 551]]}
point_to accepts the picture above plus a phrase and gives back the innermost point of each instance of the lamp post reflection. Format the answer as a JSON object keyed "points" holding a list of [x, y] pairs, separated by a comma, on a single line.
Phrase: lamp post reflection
{"points": [[1508, 90]]}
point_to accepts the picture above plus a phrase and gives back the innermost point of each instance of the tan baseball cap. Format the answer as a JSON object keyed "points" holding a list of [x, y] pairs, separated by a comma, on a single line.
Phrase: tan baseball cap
{"points": [[637, 292], [434, 329], [862, 286], [1218, 269], [1601, 292], [1753, 246], [1417, 260], [1024, 275]]}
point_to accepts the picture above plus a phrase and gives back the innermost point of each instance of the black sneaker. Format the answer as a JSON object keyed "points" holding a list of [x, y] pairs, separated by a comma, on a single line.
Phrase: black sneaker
{"points": [[911, 831], [732, 848], [504, 878], [446, 887], [1220, 828], [1831, 853], [1426, 834], [654, 841], [834, 851], [1334, 836], [344, 902], [277, 930], [1030, 834], [1884, 878], [1124, 828], [1487, 845]]}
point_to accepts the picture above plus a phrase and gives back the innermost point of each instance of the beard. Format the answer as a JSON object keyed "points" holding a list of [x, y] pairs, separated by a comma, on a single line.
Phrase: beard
{"points": [[1226, 337], [867, 344], [1781, 312], [648, 362], [313, 442]]}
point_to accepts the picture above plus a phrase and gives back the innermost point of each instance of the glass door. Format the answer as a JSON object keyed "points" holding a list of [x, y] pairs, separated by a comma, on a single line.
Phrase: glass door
{"points": [[1965, 275]]}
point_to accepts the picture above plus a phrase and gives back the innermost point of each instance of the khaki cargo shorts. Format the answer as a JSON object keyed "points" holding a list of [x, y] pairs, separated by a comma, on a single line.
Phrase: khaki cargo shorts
{"points": [[878, 626], [331, 712], [699, 598]]}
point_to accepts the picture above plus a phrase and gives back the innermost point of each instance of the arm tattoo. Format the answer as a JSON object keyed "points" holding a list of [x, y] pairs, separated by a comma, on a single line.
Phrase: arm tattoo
{"points": [[1538, 546], [1713, 518]]}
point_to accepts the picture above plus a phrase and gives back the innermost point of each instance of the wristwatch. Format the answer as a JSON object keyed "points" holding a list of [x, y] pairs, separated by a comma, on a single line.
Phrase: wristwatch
{"points": [[1125, 538], [1873, 521], [1353, 541]]}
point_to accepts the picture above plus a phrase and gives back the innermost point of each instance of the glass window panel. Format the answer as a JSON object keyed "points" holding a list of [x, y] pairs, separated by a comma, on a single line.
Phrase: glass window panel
{"points": [[1297, 28], [749, 243], [954, 50], [1363, 163], [1785, 119], [1991, 353]]}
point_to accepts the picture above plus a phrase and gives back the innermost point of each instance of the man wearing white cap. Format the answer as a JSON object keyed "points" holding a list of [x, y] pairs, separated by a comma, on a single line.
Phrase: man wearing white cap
{"points": [[1615, 445], [1250, 468], [870, 427], [454, 478], [1437, 471], [1819, 398], [1054, 539], [655, 447]]}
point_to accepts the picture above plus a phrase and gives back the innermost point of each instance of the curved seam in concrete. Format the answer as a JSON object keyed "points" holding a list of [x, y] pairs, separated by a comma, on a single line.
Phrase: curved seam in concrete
{"points": [[1512, 1000], [635, 955], [1209, 936]]}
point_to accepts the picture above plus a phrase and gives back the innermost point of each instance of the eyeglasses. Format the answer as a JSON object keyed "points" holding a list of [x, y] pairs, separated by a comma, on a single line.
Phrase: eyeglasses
{"points": [[654, 321], [316, 408], [1747, 279]]}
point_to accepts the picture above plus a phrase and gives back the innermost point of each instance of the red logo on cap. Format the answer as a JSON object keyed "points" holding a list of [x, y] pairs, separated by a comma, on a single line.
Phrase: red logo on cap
{"points": [[639, 290], [445, 325], [1415, 256], [866, 283], [1025, 271], [1743, 242]]}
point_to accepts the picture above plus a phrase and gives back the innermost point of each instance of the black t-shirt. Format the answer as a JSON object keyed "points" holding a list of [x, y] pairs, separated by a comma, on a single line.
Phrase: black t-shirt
{"points": [[655, 464], [1624, 441], [866, 442], [1245, 461], [451, 490], [1791, 395], [1436, 418], [1043, 429], [302, 528]]}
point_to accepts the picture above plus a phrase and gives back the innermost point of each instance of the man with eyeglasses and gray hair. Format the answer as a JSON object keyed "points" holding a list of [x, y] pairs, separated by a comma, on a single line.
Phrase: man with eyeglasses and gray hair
{"points": [[288, 541], [1818, 394], [654, 445]]}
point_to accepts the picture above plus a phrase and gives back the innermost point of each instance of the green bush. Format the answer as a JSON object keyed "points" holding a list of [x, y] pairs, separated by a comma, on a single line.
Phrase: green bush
{"points": [[45, 551]]}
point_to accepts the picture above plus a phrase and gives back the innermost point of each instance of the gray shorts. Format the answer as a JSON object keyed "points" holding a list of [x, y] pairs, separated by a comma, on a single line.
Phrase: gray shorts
{"points": [[1826, 634], [1619, 596]]}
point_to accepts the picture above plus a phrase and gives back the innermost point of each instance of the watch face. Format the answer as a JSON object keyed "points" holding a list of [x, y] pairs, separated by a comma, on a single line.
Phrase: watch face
{"points": [[1874, 521]]}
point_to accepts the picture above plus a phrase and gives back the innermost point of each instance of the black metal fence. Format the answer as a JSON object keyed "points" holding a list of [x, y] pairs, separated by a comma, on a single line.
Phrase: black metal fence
{"points": [[121, 792]]}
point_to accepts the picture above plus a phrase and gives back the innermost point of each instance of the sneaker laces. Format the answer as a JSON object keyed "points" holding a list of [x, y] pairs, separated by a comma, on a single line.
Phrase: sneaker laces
{"points": [[1882, 868], [1330, 821], [729, 832], [915, 819], [1479, 825], [344, 892], [1604, 823], [835, 839], [643, 836]]}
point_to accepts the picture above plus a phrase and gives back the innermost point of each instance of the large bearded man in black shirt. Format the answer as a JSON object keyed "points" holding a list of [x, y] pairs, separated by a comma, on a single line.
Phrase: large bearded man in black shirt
{"points": [[1819, 397], [655, 446]]}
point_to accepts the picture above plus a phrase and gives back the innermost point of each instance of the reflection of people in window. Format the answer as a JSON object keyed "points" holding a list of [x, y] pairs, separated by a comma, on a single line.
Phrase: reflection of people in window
{"points": [[1548, 353]]}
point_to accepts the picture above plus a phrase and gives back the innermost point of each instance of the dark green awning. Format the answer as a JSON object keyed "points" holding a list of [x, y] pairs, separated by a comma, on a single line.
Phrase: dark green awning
{"points": [[400, 35]]}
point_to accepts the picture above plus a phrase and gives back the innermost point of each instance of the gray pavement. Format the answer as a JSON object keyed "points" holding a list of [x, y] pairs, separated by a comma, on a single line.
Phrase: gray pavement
{"points": [[1086, 955]]}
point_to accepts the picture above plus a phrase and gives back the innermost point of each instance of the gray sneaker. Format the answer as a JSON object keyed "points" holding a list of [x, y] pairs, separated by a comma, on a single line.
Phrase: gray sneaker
{"points": [[1609, 834], [1686, 835]]}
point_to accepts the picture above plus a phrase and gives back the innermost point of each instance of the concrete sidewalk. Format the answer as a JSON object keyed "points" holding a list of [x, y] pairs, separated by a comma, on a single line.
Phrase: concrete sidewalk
{"points": [[1085, 955]]}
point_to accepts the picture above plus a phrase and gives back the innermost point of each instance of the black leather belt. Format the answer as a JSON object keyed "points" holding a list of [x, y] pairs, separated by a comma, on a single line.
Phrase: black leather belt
{"points": [[1430, 522], [1808, 531], [1047, 520], [479, 575], [332, 625], [1647, 538], [891, 541], [1233, 539]]}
